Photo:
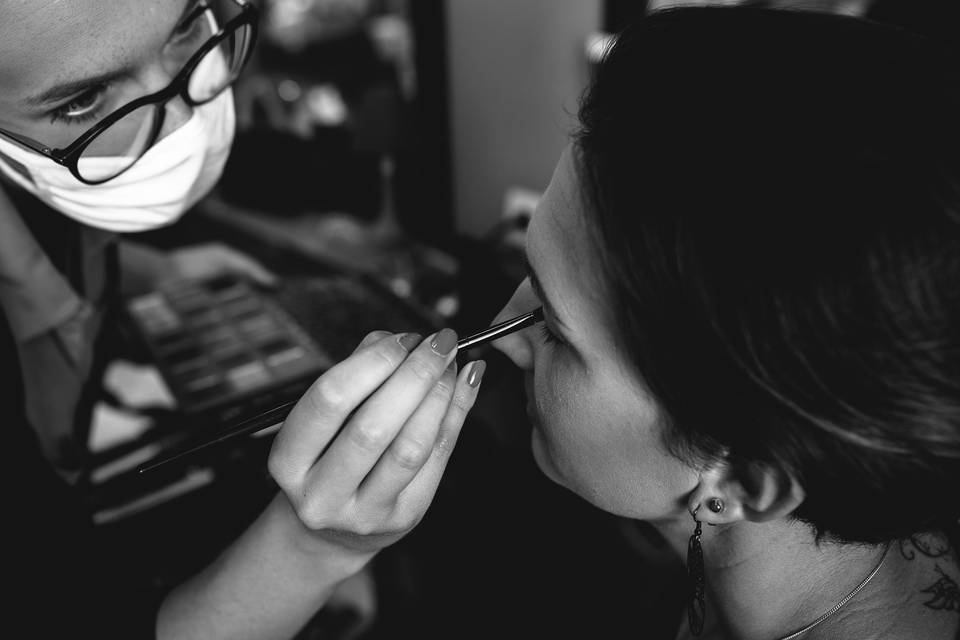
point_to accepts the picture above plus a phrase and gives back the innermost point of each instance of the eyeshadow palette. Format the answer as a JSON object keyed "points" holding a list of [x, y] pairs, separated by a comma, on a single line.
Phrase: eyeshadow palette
{"points": [[219, 342]]}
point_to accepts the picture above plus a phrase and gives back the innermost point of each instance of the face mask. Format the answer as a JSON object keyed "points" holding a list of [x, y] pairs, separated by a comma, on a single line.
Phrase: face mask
{"points": [[169, 179]]}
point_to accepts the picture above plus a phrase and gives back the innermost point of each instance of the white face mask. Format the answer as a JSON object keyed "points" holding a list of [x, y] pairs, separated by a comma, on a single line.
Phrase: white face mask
{"points": [[169, 179]]}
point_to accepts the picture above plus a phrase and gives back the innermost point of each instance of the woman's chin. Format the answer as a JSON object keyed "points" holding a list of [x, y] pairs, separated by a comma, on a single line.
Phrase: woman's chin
{"points": [[542, 458]]}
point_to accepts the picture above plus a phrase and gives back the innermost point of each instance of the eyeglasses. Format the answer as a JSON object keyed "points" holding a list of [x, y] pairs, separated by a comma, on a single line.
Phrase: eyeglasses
{"points": [[114, 144]]}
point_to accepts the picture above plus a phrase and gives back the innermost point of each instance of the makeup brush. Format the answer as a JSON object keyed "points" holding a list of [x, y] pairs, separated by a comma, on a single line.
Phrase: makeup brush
{"points": [[278, 414]]}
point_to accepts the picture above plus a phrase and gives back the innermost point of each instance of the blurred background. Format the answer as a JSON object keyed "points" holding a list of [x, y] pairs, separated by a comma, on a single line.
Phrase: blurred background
{"points": [[388, 156]]}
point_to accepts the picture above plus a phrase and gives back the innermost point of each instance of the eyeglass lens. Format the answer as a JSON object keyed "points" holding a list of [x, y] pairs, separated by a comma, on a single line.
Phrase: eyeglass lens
{"points": [[118, 147]]}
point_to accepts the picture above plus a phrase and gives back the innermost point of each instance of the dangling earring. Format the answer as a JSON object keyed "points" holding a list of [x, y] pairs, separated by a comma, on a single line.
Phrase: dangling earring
{"points": [[696, 607]]}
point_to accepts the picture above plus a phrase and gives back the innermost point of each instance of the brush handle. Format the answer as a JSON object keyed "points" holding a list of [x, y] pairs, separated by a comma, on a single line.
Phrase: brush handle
{"points": [[278, 414]]}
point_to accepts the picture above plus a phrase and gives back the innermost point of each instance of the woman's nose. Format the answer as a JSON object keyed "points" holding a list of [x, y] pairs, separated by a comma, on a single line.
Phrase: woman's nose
{"points": [[516, 346]]}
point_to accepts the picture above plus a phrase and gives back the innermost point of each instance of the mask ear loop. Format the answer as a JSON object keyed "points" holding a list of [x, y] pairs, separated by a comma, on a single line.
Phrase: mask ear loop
{"points": [[696, 605]]}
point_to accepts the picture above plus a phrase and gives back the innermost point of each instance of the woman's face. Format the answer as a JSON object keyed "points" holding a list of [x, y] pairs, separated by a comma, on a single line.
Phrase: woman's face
{"points": [[66, 65], [596, 430]]}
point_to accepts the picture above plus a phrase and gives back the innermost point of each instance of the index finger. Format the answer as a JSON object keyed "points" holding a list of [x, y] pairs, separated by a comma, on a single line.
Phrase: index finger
{"points": [[324, 407], [370, 431]]}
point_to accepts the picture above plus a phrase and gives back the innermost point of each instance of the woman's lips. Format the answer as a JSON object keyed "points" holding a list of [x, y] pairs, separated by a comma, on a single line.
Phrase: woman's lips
{"points": [[530, 408], [533, 425]]}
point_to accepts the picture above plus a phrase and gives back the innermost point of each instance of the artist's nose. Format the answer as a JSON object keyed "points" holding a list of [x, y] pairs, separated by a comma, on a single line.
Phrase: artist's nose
{"points": [[178, 112]]}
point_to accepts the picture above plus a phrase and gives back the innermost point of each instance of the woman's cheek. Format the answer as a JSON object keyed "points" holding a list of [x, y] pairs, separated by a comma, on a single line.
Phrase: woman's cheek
{"points": [[557, 397], [569, 447], [544, 376]]}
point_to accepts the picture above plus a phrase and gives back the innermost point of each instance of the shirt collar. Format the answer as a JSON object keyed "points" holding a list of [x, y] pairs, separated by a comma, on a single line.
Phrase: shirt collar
{"points": [[34, 295]]}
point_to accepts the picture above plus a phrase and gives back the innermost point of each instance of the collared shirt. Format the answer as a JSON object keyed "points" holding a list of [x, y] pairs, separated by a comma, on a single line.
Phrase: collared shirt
{"points": [[54, 287]]}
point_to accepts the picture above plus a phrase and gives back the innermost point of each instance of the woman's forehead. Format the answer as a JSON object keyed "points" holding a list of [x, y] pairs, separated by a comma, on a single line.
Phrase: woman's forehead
{"points": [[560, 225], [44, 42], [558, 241]]}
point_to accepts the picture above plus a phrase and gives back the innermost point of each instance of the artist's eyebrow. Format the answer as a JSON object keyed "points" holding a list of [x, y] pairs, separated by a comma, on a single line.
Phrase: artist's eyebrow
{"points": [[61, 92], [538, 289], [70, 89]]}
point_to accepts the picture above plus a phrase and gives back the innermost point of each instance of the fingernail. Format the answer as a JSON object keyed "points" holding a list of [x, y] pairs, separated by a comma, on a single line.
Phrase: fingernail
{"points": [[444, 342], [476, 373], [409, 341], [452, 366]]}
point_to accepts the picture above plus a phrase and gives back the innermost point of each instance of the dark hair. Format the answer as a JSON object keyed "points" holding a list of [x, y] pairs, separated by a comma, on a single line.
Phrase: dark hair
{"points": [[777, 211]]}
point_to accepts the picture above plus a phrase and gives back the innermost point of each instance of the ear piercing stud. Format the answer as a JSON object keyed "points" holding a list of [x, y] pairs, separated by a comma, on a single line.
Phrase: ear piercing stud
{"points": [[715, 505]]}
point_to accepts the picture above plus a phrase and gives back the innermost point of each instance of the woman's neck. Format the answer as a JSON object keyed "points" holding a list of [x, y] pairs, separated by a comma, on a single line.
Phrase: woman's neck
{"points": [[767, 580]]}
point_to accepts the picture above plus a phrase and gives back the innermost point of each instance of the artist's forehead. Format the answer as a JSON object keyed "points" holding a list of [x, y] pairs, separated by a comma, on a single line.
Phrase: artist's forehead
{"points": [[48, 41]]}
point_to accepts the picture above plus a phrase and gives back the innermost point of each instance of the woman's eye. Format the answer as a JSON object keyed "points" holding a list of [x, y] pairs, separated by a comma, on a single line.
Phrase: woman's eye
{"points": [[83, 108], [549, 336]]}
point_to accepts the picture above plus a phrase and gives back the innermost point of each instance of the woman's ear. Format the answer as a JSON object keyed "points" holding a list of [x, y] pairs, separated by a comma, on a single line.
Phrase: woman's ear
{"points": [[756, 493]]}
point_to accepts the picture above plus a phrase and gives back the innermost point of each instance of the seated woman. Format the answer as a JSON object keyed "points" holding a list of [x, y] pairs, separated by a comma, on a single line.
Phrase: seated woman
{"points": [[749, 261]]}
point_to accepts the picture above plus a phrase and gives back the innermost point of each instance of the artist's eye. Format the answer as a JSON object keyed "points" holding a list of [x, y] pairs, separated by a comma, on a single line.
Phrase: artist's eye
{"points": [[192, 28], [189, 31], [85, 107]]}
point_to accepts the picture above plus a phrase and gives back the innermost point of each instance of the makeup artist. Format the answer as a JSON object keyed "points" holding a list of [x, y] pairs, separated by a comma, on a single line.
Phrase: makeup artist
{"points": [[137, 95], [749, 261]]}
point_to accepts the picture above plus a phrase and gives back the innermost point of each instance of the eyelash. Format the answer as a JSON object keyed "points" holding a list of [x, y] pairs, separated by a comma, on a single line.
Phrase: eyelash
{"points": [[549, 336], [62, 113]]}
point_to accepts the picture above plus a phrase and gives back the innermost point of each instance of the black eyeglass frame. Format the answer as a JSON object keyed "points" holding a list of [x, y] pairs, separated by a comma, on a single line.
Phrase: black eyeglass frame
{"points": [[179, 86]]}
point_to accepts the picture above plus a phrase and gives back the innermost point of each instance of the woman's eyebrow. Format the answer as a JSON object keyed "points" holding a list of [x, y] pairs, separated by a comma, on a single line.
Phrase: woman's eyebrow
{"points": [[538, 289]]}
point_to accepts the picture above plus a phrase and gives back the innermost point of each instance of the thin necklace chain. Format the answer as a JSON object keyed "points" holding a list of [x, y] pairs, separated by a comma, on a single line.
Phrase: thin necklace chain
{"points": [[846, 599]]}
